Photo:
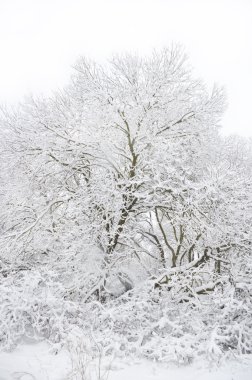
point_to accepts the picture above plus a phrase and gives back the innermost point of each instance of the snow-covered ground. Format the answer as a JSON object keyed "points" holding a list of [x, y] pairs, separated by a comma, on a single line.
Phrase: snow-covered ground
{"points": [[35, 362]]}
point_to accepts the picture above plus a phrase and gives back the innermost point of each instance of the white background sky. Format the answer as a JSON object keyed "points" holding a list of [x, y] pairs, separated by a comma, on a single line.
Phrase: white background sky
{"points": [[41, 39]]}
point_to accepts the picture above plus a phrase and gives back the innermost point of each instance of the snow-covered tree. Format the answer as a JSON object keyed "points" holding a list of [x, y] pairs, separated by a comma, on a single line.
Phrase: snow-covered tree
{"points": [[123, 177]]}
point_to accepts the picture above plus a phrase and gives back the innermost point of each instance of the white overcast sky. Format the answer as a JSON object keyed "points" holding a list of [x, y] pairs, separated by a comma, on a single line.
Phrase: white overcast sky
{"points": [[41, 39]]}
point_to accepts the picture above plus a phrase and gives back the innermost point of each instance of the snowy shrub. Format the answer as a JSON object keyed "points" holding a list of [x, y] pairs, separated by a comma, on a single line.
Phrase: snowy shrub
{"points": [[32, 305], [177, 325], [175, 321]]}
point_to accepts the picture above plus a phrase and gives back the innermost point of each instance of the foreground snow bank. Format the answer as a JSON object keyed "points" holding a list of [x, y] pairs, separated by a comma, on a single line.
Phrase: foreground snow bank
{"points": [[35, 362]]}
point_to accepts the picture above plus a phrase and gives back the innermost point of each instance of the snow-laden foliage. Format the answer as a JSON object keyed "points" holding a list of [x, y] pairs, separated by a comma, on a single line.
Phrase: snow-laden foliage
{"points": [[33, 307], [126, 213], [168, 323]]}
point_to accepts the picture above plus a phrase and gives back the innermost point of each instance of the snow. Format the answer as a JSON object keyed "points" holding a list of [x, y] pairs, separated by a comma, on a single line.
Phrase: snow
{"points": [[36, 362], [33, 361]]}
